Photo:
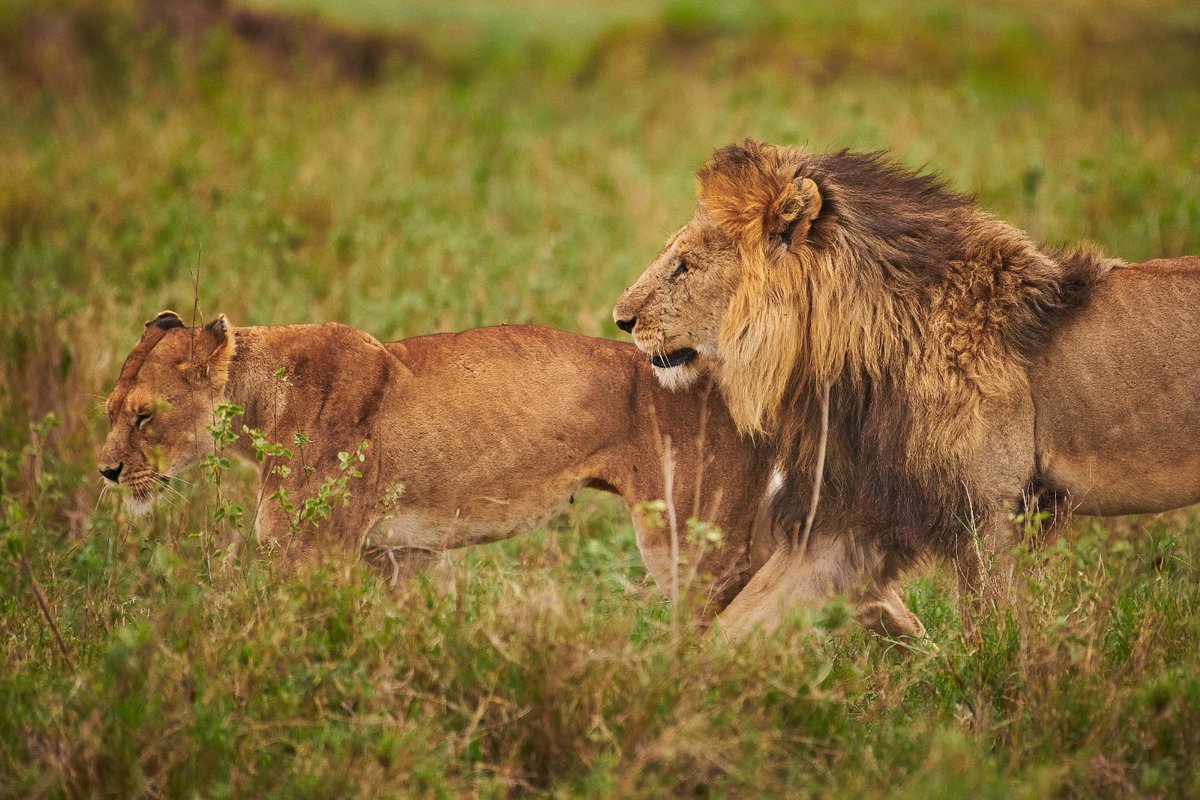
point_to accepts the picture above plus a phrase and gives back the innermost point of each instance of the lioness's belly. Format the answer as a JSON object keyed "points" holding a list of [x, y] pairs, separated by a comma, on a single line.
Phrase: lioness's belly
{"points": [[1117, 394], [483, 518]]}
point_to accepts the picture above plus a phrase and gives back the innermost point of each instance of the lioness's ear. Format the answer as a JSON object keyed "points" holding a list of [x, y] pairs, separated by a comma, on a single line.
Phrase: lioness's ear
{"points": [[165, 321], [215, 346], [800, 204]]}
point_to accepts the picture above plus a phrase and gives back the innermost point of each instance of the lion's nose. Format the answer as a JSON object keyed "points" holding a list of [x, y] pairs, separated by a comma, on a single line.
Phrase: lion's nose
{"points": [[112, 473], [627, 324]]}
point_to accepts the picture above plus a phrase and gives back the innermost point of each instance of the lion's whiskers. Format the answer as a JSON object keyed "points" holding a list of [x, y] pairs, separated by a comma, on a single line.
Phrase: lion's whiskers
{"points": [[104, 487], [171, 502], [170, 490]]}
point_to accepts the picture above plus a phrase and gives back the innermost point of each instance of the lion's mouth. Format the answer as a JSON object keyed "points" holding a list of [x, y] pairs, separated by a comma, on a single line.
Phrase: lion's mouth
{"points": [[675, 358], [143, 487]]}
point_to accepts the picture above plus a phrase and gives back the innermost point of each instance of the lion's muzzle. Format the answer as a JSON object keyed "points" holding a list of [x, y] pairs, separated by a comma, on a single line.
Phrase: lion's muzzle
{"points": [[675, 358]]}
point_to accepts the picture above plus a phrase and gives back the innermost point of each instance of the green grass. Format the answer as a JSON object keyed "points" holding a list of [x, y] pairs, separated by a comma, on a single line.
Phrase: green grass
{"points": [[521, 162]]}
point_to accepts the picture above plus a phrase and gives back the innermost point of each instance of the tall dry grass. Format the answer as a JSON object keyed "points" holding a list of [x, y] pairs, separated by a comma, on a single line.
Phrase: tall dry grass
{"points": [[520, 163]]}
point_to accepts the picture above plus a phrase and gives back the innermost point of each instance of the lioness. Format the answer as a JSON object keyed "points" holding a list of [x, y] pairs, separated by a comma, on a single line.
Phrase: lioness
{"points": [[471, 437], [952, 356], [1115, 395]]}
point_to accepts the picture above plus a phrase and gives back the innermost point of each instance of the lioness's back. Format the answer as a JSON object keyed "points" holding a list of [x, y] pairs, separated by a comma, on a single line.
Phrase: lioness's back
{"points": [[512, 378], [493, 347]]}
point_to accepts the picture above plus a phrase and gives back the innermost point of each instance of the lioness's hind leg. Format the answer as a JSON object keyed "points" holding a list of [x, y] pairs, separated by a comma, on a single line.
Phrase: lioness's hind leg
{"points": [[398, 564]]}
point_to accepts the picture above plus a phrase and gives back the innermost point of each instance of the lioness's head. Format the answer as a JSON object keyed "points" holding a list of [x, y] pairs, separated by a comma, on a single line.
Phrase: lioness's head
{"points": [[724, 291], [159, 410]]}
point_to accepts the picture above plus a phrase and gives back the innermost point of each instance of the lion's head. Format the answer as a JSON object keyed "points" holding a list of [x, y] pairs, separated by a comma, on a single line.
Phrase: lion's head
{"points": [[163, 401], [722, 293]]}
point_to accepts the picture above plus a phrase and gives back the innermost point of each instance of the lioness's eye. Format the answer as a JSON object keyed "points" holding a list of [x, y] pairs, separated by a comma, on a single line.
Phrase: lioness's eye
{"points": [[142, 419], [681, 268]]}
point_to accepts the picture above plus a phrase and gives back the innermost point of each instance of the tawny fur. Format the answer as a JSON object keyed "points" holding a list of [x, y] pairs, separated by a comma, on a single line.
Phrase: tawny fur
{"points": [[472, 437], [1116, 395], [923, 313]]}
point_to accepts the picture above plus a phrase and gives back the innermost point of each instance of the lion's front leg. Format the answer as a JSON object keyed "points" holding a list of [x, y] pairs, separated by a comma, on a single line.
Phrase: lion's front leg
{"points": [[833, 564], [783, 582], [985, 569], [882, 610]]}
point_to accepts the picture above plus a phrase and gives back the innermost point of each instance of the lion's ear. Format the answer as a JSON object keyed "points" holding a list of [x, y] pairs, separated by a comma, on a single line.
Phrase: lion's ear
{"points": [[752, 192], [799, 205], [215, 347], [163, 321]]}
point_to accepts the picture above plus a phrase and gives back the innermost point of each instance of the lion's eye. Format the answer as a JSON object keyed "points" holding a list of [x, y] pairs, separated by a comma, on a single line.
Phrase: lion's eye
{"points": [[142, 419], [680, 268]]}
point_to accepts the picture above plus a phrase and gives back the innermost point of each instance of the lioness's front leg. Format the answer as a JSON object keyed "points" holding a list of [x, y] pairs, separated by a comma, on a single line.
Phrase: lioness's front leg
{"points": [[340, 527], [985, 569], [983, 555], [276, 531]]}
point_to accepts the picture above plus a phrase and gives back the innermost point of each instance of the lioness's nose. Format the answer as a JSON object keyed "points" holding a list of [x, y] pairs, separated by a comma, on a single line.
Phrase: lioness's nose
{"points": [[627, 324], [112, 473]]}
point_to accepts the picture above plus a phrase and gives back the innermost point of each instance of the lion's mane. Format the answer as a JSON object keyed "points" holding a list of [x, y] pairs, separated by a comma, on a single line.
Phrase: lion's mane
{"points": [[915, 305]]}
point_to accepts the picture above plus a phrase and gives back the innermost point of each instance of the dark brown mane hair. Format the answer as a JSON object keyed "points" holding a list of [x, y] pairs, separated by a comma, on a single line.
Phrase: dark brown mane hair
{"points": [[915, 305]]}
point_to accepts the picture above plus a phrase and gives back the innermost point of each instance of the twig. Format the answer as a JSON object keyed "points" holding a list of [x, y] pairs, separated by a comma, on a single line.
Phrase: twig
{"points": [[696, 552], [818, 472], [700, 435], [206, 534], [45, 609], [669, 497]]}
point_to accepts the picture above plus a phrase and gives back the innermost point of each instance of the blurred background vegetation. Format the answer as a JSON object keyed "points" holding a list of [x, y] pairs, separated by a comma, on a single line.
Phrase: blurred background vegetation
{"points": [[421, 166]]}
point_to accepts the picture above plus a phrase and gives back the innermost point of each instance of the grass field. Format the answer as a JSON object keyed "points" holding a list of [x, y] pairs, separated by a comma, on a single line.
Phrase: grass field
{"points": [[406, 168]]}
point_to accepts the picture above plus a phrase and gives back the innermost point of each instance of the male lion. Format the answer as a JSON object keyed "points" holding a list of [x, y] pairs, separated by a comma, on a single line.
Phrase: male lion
{"points": [[471, 437], [843, 276]]}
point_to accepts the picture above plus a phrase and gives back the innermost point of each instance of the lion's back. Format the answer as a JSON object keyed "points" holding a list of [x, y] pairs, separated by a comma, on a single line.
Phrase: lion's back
{"points": [[1122, 377]]}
